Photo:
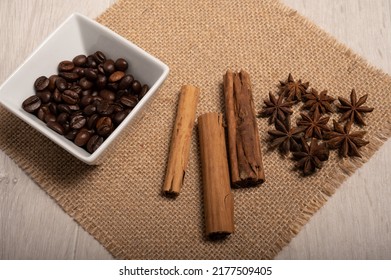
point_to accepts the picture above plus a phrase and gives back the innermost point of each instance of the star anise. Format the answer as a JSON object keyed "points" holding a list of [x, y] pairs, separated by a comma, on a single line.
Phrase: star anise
{"points": [[293, 90], [320, 102], [276, 108], [347, 142], [285, 137], [314, 125], [353, 110], [311, 156]]}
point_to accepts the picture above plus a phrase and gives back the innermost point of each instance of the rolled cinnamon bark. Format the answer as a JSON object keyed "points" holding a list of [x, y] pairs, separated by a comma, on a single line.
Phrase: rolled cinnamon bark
{"points": [[244, 148], [218, 200], [180, 141]]}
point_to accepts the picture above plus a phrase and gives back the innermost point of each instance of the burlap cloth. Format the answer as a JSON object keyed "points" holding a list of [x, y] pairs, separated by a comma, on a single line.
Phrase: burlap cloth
{"points": [[120, 202]]}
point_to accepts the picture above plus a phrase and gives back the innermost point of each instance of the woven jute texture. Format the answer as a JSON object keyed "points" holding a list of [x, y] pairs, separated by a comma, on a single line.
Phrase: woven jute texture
{"points": [[120, 201]]}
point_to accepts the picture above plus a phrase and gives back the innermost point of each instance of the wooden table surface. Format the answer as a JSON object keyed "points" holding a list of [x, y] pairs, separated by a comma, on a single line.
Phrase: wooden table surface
{"points": [[354, 224]]}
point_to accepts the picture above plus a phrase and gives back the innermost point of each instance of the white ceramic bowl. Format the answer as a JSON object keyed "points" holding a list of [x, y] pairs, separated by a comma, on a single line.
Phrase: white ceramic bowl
{"points": [[81, 35]]}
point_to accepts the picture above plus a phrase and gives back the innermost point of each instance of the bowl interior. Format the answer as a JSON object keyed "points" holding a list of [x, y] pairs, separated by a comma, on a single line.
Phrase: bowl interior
{"points": [[79, 35]]}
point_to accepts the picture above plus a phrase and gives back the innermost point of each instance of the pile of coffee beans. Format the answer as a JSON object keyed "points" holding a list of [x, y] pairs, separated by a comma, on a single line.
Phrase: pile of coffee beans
{"points": [[87, 99]]}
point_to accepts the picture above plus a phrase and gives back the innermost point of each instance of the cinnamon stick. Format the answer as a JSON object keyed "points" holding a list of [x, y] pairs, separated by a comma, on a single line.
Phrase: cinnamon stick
{"points": [[243, 137], [218, 200], [180, 141]]}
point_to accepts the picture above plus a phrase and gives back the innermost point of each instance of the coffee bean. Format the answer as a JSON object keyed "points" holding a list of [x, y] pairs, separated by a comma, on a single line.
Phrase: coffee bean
{"points": [[71, 134], [128, 100], [104, 108], [88, 98], [107, 95], [44, 95], [65, 66], [91, 61], [119, 117], [100, 69], [104, 131], [112, 86], [41, 113], [52, 107], [76, 88], [108, 66], [79, 71], [63, 108], [121, 93], [41, 83], [104, 121], [82, 137], [91, 122], [136, 87], [62, 118], [125, 82], [94, 93], [101, 81], [49, 118], [121, 64], [85, 100], [66, 127], [31, 104], [52, 82], [91, 74], [96, 100], [61, 84], [99, 57], [89, 110], [77, 122], [94, 143], [56, 127], [69, 76], [87, 92], [104, 126], [76, 113], [56, 96], [117, 107], [80, 60], [74, 107], [116, 76], [143, 92], [70, 97], [85, 83]]}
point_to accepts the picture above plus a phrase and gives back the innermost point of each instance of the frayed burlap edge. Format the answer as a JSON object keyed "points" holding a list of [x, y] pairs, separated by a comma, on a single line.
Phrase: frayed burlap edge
{"points": [[75, 213], [347, 166]]}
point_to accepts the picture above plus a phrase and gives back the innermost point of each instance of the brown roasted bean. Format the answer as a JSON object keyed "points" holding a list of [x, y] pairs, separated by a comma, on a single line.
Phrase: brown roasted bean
{"points": [[65, 66], [56, 127], [80, 60], [87, 99], [82, 137], [31, 104], [70, 97], [44, 95], [94, 143], [116, 76]]}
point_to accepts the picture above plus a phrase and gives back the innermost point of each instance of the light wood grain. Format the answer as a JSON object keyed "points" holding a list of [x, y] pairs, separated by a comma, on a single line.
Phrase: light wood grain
{"points": [[354, 224], [32, 225]]}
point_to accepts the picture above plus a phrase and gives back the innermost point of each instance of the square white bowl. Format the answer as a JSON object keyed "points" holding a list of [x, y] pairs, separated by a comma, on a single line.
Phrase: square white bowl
{"points": [[81, 35]]}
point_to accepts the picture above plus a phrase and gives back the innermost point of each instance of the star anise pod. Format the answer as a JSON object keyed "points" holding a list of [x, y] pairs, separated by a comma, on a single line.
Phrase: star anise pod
{"points": [[285, 137], [314, 125], [311, 156], [347, 142], [276, 108], [353, 110], [320, 102], [293, 90]]}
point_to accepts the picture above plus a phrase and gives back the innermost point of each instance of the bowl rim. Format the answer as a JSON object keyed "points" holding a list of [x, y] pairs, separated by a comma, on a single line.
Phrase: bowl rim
{"points": [[88, 158]]}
